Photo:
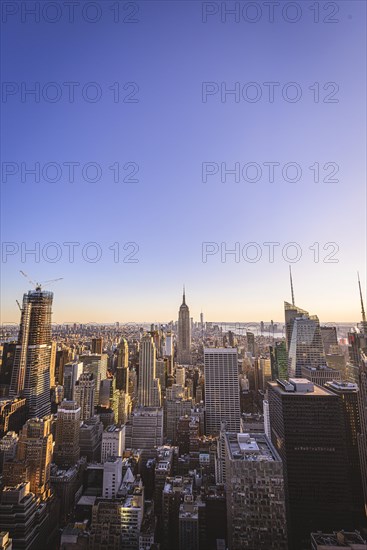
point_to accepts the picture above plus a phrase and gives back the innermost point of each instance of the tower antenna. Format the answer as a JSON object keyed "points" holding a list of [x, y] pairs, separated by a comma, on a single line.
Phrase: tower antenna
{"points": [[290, 276]]}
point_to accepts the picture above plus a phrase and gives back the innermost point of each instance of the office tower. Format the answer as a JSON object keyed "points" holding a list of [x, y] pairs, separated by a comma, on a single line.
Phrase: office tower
{"points": [[113, 442], [8, 448], [65, 484], [112, 476], [329, 338], [7, 354], [95, 364], [13, 414], [188, 434], [147, 388], [121, 405], [222, 400], [188, 524], [362, 395], [250, 338], [90, 438], [308, 431], [352, 414], [97, 346], [63, 355], [84, 395], [169, 348], [256, 511], [184, 334], [180, 376], [106, 392], [31, 371], [53, 364], [25, 517], [144, 430], [320, 375], [166, 458], [72, 371], [116, 523], [175, 490], [291, 312], [306, 349], [122, 369], [175, 406], [279, 360], [33, 457], [67, 450]]}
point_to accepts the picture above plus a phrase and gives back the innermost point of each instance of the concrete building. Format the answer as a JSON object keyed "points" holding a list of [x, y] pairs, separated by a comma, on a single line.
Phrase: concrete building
{"points": [[67, 449], [95, 364], [85, 388], [113, 442], [144, 430], [188, 524], [256, 508], [112, 476], [72, 371], [222, 394]]}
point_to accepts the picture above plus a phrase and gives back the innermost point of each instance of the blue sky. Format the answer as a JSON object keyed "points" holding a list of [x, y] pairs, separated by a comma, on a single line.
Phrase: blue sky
{"points": [[169, 52]]}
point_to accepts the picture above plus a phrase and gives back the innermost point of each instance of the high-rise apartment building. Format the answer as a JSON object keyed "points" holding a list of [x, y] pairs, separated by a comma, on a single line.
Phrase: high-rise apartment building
{"points": [[31, 370], [222, 399], [67, 449], [184, 334]]}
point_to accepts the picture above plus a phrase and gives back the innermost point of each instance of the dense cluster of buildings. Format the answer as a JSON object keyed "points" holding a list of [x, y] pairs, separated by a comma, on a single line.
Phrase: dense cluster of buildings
{"points": [[183, 435]]}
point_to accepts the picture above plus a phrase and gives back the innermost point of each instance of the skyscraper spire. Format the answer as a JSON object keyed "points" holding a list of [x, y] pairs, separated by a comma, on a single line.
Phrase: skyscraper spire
{"points": [[183, 297], [290, 276], [364, 322]]}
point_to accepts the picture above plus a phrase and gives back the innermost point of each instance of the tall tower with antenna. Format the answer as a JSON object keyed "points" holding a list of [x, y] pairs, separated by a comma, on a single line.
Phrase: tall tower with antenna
{"points": [[184, 333], [364, 321]]}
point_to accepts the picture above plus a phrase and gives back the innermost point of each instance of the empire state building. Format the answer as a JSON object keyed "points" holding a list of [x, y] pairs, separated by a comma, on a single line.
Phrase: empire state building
{"points": [[184, 334]]}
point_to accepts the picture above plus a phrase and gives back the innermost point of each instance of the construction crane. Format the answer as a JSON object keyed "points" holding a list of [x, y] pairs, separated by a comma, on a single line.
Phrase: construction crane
{"points": [[38, 286]]}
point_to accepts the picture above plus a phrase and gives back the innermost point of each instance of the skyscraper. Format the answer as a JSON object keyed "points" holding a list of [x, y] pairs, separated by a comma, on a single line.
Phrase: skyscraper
{"points": [[256, 511], [35, 452], [352, 414], [122, 370], [67, 449], [279, 360], [31, 371], [222, 399], [184, 333], [72, 371], [84, 395], [148, 386], [308, 431], [306, 348]]}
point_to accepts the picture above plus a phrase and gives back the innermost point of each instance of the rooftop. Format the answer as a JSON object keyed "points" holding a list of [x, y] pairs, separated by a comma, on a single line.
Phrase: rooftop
{"points": [[252, 448]]}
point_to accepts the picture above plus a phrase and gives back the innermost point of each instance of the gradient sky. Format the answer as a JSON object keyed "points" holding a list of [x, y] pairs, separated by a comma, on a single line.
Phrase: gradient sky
{"points": [[169, 133]]}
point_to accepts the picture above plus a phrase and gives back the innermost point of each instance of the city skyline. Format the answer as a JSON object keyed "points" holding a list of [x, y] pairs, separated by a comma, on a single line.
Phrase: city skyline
{"points": [[62, 314]]}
